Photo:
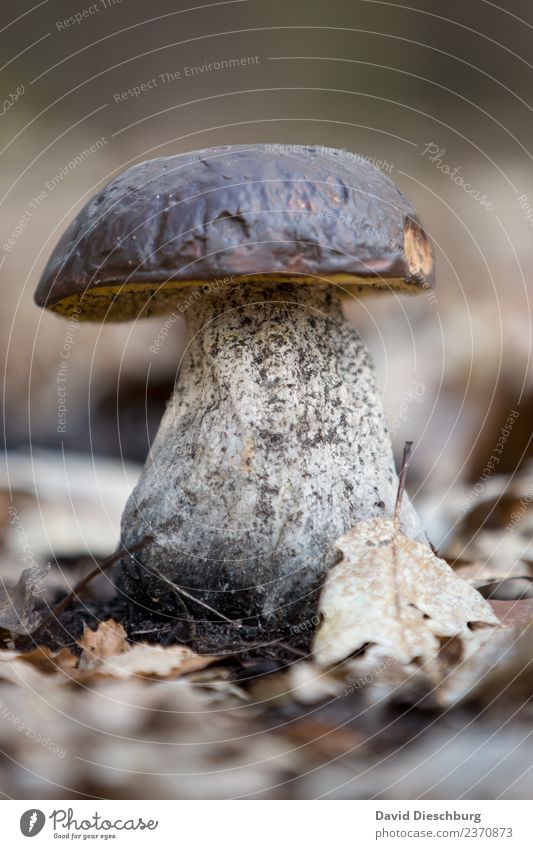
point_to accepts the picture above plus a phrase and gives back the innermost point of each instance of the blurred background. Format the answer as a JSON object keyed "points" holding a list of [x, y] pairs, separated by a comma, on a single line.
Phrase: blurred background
{"points": [[432, 90]]}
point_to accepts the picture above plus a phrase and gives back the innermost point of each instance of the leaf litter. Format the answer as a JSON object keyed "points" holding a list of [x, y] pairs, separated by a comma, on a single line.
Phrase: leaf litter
{"points": [[395, 616]]}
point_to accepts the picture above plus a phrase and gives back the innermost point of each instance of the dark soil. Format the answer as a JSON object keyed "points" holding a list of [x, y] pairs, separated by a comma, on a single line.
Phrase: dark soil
{"points": [[245, 641]]}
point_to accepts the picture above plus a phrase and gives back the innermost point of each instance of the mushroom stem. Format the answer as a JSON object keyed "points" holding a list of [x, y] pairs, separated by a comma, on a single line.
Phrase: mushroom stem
{"points": [[272, 446]]}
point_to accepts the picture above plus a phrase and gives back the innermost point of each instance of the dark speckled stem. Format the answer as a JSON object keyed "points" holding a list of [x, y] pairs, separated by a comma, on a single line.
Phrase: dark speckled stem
{"points": [[273, 445]]}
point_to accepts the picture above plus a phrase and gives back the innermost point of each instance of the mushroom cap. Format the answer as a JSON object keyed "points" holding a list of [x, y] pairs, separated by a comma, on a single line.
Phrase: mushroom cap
{"points": [[245, 212]]}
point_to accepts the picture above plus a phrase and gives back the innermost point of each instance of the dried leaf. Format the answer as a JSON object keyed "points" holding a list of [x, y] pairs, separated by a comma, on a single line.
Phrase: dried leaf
{"points": [[393, 593], [17, 604], [49, 662], [482, 572], [501, 669], [519, 613], [109, 639], [495, 580], [308, 684], [498, 531], [15, 669], [153, 661]]}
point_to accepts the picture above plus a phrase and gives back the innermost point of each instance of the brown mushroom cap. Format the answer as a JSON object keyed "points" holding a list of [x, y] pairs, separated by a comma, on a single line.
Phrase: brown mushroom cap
{"points": [[240, 211]]}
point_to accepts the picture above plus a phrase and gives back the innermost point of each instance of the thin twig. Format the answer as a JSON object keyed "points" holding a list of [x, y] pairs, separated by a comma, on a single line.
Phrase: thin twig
{"points": [[189, 618], [293, 649], [407, 450], [81, 585], [193, 598]]}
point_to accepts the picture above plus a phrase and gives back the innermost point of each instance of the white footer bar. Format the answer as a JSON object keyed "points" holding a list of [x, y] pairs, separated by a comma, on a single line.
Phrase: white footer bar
{"points": [[267, 824]]}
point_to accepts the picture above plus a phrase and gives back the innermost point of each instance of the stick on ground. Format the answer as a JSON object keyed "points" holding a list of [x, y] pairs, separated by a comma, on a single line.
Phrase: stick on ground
{"points": [[81, 585]]}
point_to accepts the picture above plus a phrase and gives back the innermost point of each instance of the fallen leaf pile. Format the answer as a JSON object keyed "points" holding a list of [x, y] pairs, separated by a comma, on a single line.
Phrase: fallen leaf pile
{"points": [[492, 546], [107, 653]]}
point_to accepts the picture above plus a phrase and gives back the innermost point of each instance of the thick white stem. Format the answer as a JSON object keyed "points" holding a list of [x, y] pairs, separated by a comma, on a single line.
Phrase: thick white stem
{"points": [[272, 446]]}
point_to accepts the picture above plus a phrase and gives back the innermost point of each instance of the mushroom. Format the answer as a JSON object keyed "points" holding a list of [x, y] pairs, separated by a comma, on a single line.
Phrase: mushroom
{"points": [[274, 442]]}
